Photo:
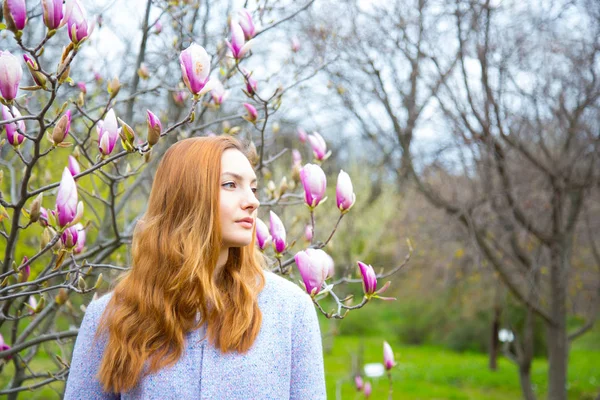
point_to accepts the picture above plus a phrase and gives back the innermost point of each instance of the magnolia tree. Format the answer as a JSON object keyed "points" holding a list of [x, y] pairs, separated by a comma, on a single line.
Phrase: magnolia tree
{"points": [[74, 159]]}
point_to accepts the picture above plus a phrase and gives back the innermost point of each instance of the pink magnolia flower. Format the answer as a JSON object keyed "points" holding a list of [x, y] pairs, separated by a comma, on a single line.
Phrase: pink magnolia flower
{"points": [[238, 45], [344, 192], [80, 238], [4, 346], [158, 27], [154, 128], [296, 157], [55, 14], [369, 278], [314, 182], [302, 135], [82, 87], [108, 133], [278, 234], [251, 83], [252, 115], [367, 390], [262, 234], [43, 217], [12, 130], [69, 237], [319, 146], [78, 25], [329, 264], [15, 14], [24, 271], [388, 356], [33, 305], [38, 78], [246, 23], [66, 199], [73, 166], [358, 381], [313, 265], [295, 45], [179, 97], [308, 232], [195, 69], [10, 75], [218, 92]]}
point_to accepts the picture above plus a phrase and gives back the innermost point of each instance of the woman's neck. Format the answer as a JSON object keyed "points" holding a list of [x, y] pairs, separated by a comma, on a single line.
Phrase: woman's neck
{"points": [[223, 256]]}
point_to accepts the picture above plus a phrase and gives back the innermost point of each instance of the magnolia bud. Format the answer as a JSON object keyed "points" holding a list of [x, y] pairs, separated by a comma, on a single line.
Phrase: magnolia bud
{"points": [[61, 129], [143, 72], [113, 87], [315, 183], [62, 297], [283, 186], [34, 212], [46, 237], [38, 78], [388, 356], [15, 15], [154, 128], [11, 72], [251, 113], [278, 234], [25, 271], [369, 278], [81, 285], [127, 136]]}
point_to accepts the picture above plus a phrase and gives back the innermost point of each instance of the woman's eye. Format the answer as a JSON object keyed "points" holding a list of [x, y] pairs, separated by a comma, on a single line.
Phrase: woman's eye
{"points": [[230, 185], [254, 190]]}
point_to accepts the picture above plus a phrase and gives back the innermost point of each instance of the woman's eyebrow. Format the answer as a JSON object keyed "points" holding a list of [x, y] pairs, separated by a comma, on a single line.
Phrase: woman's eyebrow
{"points": [[238, 176]]}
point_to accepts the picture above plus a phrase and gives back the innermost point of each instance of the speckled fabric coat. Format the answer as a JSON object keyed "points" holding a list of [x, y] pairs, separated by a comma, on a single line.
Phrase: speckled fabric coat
{"points": [[285, 361]]}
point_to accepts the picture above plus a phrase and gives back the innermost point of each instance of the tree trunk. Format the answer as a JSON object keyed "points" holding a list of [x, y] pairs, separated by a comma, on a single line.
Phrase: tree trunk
{"points": [[557, 332], [557, 357], [523, 355], [494, 340], [526, 355], [525, 381]]}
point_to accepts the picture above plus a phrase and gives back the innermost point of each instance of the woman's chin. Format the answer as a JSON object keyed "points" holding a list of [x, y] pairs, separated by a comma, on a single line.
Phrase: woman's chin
{"points": [[238, 242]]}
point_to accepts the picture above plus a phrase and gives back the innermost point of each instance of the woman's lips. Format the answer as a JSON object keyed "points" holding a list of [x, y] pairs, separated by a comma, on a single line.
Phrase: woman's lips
{"points": [[247, 223]]}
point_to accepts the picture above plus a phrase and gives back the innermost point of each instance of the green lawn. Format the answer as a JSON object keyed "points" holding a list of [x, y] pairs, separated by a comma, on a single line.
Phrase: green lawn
{"points": [[426, 372]]}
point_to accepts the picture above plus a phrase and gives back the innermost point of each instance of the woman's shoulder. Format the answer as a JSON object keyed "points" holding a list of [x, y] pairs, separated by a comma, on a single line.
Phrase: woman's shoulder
{"points": [[283, 291], [96, 307], [281, 286]]}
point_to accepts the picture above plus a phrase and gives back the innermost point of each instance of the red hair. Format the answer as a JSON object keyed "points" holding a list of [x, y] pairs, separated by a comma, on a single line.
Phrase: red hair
{"points": [[174, 277]]}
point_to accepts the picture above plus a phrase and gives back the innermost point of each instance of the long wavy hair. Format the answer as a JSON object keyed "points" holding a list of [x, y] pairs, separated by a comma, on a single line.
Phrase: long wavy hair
{"points": [[173, 286]]}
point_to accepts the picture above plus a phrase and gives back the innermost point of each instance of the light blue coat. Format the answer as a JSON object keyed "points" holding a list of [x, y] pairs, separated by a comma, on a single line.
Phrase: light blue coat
{"points": [[285, 361]]}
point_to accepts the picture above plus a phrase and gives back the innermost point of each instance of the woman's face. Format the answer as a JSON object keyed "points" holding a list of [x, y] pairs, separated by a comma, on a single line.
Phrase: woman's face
{"points": [[238, 199]]}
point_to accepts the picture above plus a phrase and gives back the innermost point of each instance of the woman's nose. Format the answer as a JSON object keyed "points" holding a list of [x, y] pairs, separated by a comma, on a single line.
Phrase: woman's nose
{"points": [[250, 200]]}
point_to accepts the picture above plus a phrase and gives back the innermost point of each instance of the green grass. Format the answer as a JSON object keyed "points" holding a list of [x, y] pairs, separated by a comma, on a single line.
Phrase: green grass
{"points": [[429, 372], [424, 372]]}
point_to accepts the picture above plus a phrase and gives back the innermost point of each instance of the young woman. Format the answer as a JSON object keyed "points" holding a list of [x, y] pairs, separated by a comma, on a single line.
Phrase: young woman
{"points": [[197, 316]]}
